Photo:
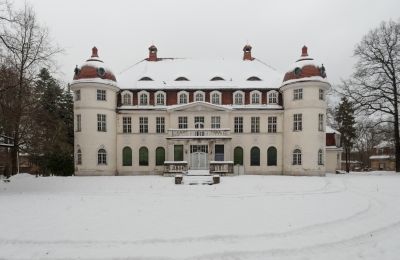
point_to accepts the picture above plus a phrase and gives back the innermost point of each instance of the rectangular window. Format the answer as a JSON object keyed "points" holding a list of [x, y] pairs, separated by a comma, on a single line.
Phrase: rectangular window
{"points": [[272, 124], [297, 122], [126, 125], [321, 94], [298, 94], [178, 152], [219, 152], [320, 122], [255, 124], [215, 122], [101, 123], [160, 124], [101, 94], [182, 122], [78, 123], [78, 95], [238, 127], [143, 125]]}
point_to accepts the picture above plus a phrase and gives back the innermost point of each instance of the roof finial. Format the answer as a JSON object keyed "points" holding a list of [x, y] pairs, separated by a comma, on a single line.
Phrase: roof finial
{"points": [[304, 52], [94, 52]]}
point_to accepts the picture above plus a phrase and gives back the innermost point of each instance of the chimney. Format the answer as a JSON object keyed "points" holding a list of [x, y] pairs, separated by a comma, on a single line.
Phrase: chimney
{"points": [[247, 52], [152, 53], [304, 52], [94, 52]]}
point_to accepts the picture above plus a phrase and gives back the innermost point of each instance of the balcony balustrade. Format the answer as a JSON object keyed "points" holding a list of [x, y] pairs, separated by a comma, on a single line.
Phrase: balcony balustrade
{"points": [[206, 133]]}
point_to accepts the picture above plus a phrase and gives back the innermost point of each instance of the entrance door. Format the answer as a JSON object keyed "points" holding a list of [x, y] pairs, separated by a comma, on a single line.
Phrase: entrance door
{"points": [[198, 157]]}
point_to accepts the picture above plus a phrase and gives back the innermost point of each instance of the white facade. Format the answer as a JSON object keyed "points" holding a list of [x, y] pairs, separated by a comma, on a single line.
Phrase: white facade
{"points": [[240, 112]]}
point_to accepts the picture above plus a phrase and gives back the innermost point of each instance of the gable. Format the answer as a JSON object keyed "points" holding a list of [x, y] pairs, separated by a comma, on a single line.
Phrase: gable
{"points": [[198, 106]]}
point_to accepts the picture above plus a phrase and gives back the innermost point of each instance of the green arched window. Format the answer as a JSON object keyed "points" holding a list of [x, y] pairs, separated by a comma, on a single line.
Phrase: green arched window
{"points": [[127, 156], [238, 155], [272, 156], [160, 156], [255, 156], [143, 156]]}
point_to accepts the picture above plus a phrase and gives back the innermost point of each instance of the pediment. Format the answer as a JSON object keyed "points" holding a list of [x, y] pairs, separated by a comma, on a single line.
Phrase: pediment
{"points": [[199, 106]]}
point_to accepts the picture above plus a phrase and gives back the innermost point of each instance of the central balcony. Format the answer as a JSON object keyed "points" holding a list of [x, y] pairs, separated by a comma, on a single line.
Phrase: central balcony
{"points": [[200, 133]]}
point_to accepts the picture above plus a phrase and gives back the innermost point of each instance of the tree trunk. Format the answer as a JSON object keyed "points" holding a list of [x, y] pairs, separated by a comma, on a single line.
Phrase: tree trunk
{"points": [[347, 160]]}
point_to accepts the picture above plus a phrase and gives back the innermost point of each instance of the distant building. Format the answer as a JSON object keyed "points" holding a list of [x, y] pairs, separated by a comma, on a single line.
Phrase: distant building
{"points": [[165, 114], [383, 157]]}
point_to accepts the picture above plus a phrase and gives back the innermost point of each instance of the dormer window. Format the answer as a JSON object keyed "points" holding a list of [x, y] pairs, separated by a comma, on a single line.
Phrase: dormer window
{"points": [[146, 79], [126, 98], [183, 97], [216, 97], [273, 97], [181, 79], [238, 98], [254, 78], [216, 78], [160, 98], [199, 96], [143, 98], [255, 97]]}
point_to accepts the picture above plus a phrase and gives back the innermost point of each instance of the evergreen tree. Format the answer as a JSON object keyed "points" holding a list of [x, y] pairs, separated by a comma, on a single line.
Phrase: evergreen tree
{"points": [[346, 127]]}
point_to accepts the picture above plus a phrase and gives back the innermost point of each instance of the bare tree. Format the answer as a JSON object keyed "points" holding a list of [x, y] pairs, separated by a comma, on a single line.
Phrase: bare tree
{"points": [[374, 85], [26, 47]]}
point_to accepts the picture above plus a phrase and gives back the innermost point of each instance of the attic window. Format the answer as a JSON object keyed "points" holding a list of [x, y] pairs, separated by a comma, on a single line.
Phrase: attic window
{"points": [[216, 78], [146, 79], [254, 78], [181, 79]]}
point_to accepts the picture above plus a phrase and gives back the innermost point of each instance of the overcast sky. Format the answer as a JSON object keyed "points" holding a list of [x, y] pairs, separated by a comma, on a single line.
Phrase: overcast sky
{"points": [[123, 30]]}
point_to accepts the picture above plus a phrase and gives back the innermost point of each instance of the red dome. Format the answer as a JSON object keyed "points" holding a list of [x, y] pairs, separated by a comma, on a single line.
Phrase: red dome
{"points": [[94, 68], [305, 67]]}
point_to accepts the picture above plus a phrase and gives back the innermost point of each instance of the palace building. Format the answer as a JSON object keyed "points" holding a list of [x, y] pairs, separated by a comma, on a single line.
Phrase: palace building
{"points": [[168, 115]]}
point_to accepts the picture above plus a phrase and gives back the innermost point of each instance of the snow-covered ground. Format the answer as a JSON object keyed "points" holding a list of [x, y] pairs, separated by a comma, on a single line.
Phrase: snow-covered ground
{"points": [[351, 216]]}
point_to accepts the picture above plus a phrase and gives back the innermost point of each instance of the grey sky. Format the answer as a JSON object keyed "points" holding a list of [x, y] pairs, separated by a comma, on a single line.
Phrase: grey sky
{"points": [[123, 30]]}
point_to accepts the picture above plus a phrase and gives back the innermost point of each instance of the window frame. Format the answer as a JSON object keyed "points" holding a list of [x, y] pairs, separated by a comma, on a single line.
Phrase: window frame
{"points": [[160, 125], [102, 156], [273, 95], [298, 122], [238, 124], [218, 94], [199, 93], [77, 95], [125, 94], [259, 97], [101, 123], [141, 94], [215, 122], [185, 94], [156, 98], [126, 124], [143, 124], [79, 156], [101, 95], [298, 94], [296, 159], [128, 150], [272, 161], [158, 162], [255, 124], [320, 122], [320, 157], [143, 156], [272, 124], [78, 123], [255, 159], [182, 122], [321, 94], [236, 95]]}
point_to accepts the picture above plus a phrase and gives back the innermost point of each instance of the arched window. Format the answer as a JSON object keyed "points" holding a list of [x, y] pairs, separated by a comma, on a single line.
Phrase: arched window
{"points": [[160, 156], [320, 157], [143, 156], [126, 99], [255, 156], [254, 78], [255, 97], [199, 96], [297, 157], [238, 98], [126, 156], [273, 97], [238, 156], [181, 79], [101, 157], [272, 156], [79, 157], [146, 79], [143, 98], [160, 98], [183, 97], [216, 78], [216, 98]]}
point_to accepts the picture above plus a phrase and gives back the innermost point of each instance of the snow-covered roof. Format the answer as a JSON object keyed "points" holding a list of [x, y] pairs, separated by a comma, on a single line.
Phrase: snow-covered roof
{"points": [[384, 144], [380, 157], [199, 73], [330, 130]]}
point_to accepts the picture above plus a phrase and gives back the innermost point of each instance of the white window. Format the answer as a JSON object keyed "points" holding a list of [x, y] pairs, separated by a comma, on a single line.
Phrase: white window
{"points": [[297, 122], [255, 124], [143, 125], [320, 157], [215, 122], [238, 98], [273, 97], [160, 124], [272, 124], [126, 124], [78, 95], [320, 122], [297, 157], [199, 96], [255, 97], [160, 98], [321, 94], [78, 123], [101, 95], [126, 98], [102, 157], [182, 122], [143, 98], [183, 97], [216, 97], [298, 94], [238, 127], [101, 123]]}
